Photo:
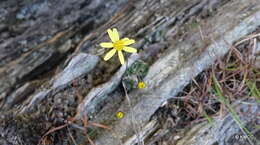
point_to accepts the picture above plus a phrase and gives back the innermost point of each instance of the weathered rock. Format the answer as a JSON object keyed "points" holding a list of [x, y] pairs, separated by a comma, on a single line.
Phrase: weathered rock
{"points": [[50, 70], [34, 34], [225, 130], [19, 95], [172, 72], [78, 66], [98, 94]]}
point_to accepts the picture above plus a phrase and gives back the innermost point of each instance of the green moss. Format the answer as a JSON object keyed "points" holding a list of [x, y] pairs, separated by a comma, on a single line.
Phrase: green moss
{"points": [[129, 83], [134, 74], [139, 68]]}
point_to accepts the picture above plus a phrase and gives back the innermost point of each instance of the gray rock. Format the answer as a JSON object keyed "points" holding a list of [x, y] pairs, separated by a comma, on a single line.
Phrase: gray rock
{"points": [[78, 66], [172, 72], [18, 95], [225, 130], [35, 100], [100, 93]]}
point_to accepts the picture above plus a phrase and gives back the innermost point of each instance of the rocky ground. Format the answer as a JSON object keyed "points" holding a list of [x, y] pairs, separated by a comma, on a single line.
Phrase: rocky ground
{"points": [[199, 60]]}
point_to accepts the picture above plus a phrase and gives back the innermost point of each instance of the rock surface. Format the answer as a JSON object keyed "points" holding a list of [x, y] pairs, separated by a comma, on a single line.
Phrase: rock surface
{"points": [[52, 69]]}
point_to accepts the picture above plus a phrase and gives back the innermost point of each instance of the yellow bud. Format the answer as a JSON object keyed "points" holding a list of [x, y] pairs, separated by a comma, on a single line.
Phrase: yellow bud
{"points": [[141, 85], [119, 115]]}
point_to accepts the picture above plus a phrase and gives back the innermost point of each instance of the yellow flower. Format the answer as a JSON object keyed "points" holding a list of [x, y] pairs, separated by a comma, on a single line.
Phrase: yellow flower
{"points": [[118, 45], [141, 85], [119, 115]]}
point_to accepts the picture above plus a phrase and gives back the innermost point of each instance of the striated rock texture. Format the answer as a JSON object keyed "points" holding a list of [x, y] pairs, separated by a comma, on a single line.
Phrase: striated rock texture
{"points": [[225, 130], [52, 69]]}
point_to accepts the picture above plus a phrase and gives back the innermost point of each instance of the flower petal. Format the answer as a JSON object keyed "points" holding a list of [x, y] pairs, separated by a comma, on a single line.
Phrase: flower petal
{"points": [[128, 41], [116, 34], [113, 35], [109, 54], [130, 49], [106, 44], [121, 57]]}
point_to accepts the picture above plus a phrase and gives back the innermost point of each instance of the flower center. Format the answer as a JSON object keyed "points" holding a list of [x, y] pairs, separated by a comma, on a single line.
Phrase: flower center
{"points": [[119, 45]]}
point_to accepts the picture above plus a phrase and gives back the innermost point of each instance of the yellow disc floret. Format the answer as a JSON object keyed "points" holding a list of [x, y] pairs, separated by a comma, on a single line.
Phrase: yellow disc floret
{"points": [[119, 45]]}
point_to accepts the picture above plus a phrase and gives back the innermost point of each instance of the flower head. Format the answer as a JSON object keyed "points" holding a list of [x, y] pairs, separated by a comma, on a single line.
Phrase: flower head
{"points": [[141, 85], [118, 45], [119, 115]]}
